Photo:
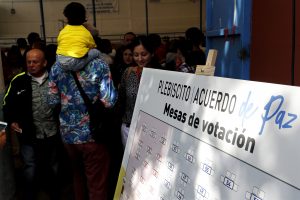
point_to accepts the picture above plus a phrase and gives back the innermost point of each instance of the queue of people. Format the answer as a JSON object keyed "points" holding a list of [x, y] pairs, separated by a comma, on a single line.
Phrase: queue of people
{"points": [[44, 106]]}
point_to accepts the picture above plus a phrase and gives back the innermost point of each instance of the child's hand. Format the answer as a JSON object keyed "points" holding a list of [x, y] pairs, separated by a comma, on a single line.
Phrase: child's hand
{"points": [[15, 126], [2, 139]]}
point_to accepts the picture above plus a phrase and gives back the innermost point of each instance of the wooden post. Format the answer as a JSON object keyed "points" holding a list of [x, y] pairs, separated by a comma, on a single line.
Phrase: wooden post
{"points": [[209, 68]]}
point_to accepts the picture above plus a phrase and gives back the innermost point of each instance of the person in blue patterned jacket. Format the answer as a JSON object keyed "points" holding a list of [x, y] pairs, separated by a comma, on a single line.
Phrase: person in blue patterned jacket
{"points": [[89, 159]]}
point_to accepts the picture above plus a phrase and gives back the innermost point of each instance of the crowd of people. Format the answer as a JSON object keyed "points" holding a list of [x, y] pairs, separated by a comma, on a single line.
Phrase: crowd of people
{"points": [[45, 108]]}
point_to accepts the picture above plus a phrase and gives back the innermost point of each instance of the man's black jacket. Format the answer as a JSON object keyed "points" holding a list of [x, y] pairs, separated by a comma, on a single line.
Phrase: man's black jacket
{"points": [[17, 106]]}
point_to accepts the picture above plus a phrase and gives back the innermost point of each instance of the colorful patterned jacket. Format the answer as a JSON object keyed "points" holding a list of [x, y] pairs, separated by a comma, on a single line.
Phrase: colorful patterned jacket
{"points": [[96, 81]]}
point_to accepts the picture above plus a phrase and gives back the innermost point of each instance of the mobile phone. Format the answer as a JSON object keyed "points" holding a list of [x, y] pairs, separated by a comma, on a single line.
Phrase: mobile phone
{"points": [[2, 125]]}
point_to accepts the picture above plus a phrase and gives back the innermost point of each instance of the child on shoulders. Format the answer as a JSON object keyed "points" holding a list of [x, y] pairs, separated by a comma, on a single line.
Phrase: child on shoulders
{"points": [[76, 46]]}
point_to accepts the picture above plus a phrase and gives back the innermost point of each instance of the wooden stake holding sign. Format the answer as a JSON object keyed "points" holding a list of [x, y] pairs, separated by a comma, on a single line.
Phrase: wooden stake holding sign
{"points": [[209, 68]]}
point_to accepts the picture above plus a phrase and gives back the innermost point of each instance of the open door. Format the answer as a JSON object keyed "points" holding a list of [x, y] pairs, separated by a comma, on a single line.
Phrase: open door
{"points": [[275, 42], [228, 31]]}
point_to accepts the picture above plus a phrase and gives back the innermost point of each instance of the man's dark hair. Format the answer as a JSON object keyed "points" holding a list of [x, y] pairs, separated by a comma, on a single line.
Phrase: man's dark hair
{"points": [[195, 35], [33, 37], [130, 33], [21, 42], [75, 13]]}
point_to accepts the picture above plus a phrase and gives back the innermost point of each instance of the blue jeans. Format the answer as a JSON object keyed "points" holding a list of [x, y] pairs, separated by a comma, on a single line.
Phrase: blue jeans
{"points": [[29, 171], [38, 158], [75, 64]]}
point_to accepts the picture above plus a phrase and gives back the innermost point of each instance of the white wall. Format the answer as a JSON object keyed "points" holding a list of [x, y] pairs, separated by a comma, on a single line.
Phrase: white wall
{"points": [[164, 16]]}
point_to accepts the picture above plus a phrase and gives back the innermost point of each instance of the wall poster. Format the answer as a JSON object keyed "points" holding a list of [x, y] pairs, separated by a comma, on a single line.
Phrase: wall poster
{"points": [[104, 6]]}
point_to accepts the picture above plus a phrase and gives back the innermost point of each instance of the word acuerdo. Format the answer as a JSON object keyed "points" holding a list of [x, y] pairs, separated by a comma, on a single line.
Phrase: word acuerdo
{"points": [[212, 99]]}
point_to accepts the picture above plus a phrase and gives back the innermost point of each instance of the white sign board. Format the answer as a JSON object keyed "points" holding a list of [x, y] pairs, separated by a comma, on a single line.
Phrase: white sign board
{"points": [[211, 138]]}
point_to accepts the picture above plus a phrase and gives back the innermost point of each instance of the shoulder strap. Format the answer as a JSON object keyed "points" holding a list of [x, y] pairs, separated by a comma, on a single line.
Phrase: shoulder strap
{"points": [[86, 99]]}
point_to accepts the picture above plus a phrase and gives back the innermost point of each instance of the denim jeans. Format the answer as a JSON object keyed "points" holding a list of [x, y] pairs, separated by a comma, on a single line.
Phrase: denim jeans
{"points": [[75, 64], [40, 158], [29, 169]]}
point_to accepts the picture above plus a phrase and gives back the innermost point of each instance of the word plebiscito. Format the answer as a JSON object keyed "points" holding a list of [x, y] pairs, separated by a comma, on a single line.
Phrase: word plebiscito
{"points": [[217, 100]]}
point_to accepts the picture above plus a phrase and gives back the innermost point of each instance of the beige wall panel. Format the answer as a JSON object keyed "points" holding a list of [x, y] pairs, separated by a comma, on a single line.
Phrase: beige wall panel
{"points": [[26, 19], [166, 16], [18, 29], [171, 25]]}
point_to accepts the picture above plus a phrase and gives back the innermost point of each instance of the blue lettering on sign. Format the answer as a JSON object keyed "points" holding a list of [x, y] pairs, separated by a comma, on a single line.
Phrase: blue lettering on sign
{"points": [[167, 184], [170, 166], [254, 197], [184, 178], [175, 148], [247, 109], [278, 114], [189, 158], [179, 195], [207, 169], [228, 182], [163, 140], [201, 191]]}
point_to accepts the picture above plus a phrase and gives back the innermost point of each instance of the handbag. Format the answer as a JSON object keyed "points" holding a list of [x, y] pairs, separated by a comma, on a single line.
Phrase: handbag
{"points": [[98, 115]]}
